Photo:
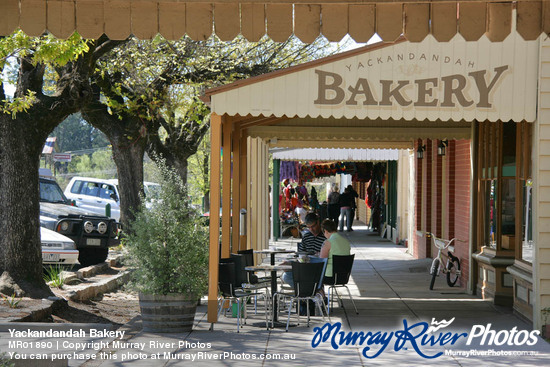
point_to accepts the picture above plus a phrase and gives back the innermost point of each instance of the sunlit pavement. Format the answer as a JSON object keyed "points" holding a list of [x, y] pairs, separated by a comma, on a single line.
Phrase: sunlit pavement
{"points": [[391, 291], [390, 288]]}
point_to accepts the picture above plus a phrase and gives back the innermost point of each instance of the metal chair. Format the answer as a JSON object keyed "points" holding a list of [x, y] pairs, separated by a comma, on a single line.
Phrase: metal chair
{"points": [[341, 271], [306, 284], [253, 278], [249, 281], [230, 289]]}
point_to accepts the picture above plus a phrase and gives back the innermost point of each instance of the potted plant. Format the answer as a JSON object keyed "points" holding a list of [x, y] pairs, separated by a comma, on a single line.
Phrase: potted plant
{"points": [[168, 254]]}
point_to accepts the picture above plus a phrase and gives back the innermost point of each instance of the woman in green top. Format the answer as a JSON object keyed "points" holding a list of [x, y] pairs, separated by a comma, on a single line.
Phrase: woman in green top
{"points": [[335, 244]]}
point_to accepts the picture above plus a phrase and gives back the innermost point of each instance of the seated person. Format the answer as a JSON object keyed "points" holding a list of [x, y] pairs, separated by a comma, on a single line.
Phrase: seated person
{"points": [[312, 241], [336, 244], [313, 238]]}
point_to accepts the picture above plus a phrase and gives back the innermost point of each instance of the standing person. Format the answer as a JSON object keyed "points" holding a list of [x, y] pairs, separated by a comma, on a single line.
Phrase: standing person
{"points": [[313, 201], [354, 196], [333, 204], [300, 210], [302, 192], [286, 194], [345, 209]]}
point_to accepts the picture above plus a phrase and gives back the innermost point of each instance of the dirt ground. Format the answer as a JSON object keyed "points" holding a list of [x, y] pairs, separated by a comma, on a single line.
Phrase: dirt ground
{"points": [[117, 308]]}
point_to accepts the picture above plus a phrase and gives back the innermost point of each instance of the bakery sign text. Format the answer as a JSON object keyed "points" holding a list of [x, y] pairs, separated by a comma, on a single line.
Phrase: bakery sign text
{"points": [[445, 91]]}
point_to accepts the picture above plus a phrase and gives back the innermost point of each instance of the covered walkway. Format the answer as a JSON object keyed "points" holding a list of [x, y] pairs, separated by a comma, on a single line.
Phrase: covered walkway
{"points": [[388, 286]]}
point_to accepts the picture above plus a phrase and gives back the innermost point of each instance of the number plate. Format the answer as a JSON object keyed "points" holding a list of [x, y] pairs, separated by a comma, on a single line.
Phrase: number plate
{"points": [[93, 241], [50, 257]]}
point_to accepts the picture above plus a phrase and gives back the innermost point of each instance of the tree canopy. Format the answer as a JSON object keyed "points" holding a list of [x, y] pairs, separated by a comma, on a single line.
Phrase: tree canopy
{"points": [[141, 94], [50, 79]]}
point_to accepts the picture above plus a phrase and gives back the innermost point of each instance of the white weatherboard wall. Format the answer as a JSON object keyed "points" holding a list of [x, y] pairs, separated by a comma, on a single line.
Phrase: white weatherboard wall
{"points": [[257, 210], [541, 192], [294, 94]]}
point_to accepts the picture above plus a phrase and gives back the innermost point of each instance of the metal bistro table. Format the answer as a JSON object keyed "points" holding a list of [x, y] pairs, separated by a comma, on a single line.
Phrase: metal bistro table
{"points": [[273, 269]]}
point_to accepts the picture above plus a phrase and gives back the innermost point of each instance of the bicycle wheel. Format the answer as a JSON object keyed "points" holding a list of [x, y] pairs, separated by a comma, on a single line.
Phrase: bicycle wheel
{"points": [[434, 271], [453, 271]]}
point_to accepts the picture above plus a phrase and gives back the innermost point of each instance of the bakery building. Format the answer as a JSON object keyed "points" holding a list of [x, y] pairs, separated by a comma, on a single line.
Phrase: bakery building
{"points": [[466, 119], [472, 78]]}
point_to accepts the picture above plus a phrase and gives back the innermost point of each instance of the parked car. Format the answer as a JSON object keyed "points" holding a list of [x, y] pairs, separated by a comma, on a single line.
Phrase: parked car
{"points": [[57, 249], [93, 234], [94, 194]]}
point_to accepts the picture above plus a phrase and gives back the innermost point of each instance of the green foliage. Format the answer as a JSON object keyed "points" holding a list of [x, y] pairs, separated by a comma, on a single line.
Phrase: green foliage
{"points": [[18, 104], [76, 134], [53, 276], [160, 78], [5, 361], [167, 247], [199, 170], [45, 50], [11, 302], [42, 50], [100, 164]]}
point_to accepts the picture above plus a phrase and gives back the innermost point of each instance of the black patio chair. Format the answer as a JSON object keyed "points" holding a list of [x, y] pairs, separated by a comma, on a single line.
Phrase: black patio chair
{"points": [[306, 285], [248, 280], [341, 271], [230, 289], [253, 278]]}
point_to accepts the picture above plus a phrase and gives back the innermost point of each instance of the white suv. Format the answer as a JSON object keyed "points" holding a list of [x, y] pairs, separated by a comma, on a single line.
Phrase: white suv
{"points": [[93, 194]]}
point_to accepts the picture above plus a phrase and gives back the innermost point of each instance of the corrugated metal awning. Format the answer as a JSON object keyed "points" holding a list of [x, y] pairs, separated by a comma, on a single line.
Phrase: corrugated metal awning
{"points": [[279, 19], [328, 154], [429, 80]]}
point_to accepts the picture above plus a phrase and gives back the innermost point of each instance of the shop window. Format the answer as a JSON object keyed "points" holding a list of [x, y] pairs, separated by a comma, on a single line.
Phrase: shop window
{"points": [[504, 171]]}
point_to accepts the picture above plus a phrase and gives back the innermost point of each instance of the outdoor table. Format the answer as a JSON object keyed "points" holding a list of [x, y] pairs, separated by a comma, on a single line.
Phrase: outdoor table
{"points": [[273, 269], [273, 252]]}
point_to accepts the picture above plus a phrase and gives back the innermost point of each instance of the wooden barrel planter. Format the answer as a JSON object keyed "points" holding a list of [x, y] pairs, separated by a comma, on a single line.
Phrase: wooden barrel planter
{"points": [[173, 313]]}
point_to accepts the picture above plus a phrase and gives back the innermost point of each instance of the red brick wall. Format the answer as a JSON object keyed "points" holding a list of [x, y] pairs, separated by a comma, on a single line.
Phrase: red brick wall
{"points": [[437, 195], [462, 205], [432, 200]]}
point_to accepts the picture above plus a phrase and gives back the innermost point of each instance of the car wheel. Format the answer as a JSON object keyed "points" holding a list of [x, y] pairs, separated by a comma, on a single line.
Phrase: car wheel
{"points": [[92, 256]]}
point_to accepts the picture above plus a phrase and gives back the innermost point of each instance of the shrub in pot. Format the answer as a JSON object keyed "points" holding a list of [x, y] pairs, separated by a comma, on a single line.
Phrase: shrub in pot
{"points": [[168, 254]]}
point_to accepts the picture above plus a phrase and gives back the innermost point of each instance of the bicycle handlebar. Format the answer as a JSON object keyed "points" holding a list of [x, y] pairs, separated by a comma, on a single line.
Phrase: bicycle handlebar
{"points": [[440, 242]]}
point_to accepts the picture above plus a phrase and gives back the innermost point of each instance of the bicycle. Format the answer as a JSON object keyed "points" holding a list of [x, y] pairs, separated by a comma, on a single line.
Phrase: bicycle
{"points": [[452, 268]]}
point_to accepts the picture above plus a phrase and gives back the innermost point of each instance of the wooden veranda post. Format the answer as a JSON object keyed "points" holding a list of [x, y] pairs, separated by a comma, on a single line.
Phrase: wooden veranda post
{"points": [[227, 127], [236, 192], [215, 165]]}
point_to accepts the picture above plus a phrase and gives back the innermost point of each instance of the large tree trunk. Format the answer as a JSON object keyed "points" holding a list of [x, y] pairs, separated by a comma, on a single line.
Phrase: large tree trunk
{"points": [[182, 142], [206, 175], [21, 143], [178, 164], [127, 136], [129, 163]]}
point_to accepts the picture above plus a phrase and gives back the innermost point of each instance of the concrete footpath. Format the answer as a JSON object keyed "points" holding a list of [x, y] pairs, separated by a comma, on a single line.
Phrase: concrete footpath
{"points": [[395, 308]]}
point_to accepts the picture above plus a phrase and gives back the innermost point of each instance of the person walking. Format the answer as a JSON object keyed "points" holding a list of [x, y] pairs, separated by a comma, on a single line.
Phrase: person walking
{"points": [[354, 196], [334, 204], [345, 210]]}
